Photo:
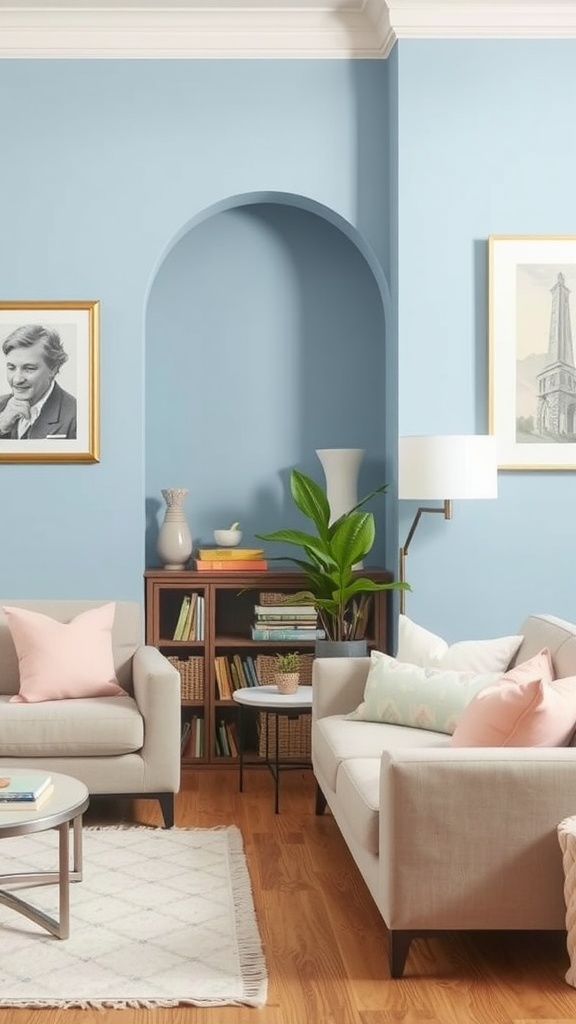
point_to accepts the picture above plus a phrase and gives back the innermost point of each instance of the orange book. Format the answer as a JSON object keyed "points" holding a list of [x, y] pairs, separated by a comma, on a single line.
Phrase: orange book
{"points": [[232, 565]]}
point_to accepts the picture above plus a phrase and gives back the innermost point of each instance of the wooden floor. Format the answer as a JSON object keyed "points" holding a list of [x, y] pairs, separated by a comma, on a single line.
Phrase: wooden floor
{"points": [[324, 941]]}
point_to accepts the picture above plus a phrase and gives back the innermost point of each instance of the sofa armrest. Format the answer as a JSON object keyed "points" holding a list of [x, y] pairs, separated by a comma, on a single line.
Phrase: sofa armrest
{"points": [[468, 836], [337, 685], [157, 694]]}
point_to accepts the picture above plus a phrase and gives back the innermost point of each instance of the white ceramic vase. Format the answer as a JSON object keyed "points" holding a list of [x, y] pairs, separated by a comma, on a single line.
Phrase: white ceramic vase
{"points": [[341, 468], [174, 545]]}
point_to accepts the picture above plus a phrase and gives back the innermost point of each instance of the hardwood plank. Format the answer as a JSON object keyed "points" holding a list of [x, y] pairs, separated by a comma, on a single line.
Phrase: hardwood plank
{"points": [[324, 940]]}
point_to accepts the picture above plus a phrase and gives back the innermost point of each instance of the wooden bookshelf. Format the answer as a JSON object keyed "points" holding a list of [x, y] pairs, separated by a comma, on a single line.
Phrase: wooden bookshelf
{"points": [[229, 598]]}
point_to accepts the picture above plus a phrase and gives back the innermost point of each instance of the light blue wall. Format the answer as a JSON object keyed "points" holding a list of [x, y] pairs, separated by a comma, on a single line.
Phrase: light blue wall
{"points": [[104, 166], [275, 347], [485, 146]]}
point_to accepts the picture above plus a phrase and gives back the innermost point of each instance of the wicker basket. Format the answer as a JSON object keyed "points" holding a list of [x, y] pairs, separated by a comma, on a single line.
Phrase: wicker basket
{"points": [[293, 733], [191, 677]]}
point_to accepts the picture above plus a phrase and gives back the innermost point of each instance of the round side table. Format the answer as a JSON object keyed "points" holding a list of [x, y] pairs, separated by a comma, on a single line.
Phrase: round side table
{"points": [[268, 701]]}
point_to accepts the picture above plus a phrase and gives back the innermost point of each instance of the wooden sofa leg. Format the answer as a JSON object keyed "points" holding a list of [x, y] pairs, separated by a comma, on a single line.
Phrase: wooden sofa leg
{"points": [[320, 801], [166, 801], [398, 946]]}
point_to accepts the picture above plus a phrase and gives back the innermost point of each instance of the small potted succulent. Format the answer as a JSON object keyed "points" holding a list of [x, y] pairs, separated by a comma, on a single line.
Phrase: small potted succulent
{"points": [[287, 672]]}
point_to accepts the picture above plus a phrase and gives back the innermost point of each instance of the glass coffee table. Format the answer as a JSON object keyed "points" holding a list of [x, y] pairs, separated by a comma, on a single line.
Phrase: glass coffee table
{"points": [[269, 701], [64, 808]]}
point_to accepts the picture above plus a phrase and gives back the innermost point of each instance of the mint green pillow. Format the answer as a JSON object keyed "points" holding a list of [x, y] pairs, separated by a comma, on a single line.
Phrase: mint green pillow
{"points": [[425, 698]]}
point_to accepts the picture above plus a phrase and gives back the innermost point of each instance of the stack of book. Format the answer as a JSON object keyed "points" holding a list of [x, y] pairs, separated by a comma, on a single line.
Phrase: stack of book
{"points": [[286, 622], [190, 624], [25, 792], [230, 560]]}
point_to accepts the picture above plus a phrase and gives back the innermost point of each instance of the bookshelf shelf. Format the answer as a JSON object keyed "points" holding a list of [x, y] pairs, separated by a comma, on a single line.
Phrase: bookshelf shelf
{"points": [[228, 604]]}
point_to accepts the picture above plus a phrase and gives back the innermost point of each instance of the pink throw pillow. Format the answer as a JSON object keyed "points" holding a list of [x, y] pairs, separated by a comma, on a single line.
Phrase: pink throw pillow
{"points": [[524, 709], [60, 660]]}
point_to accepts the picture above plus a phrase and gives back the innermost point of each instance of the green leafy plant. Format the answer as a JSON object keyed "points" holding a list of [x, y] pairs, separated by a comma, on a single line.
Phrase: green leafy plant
{"points": [[288, 662], [340, 595]]}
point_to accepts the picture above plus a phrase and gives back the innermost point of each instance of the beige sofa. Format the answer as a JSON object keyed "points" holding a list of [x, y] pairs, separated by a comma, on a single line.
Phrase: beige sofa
{"points": [[125, 745], [446, 838]]}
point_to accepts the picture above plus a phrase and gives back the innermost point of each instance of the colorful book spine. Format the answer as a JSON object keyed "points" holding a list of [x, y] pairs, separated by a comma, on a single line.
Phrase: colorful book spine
{"points": [[279, 610], [228, 554], [252, 673], [189, 624], [230, 565], [182, 616], [264, 633]]}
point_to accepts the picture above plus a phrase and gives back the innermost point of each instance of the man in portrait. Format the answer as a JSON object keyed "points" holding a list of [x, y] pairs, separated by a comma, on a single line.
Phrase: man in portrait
{"points": [[37, 406]]}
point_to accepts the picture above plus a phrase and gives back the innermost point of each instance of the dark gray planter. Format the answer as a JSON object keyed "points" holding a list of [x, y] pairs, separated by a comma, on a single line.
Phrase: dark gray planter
{"points": [[341, 648]]}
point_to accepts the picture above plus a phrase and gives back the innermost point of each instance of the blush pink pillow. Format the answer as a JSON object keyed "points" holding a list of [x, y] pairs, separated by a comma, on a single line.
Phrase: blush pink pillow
{"points": [[59, 660], [524, 709]]}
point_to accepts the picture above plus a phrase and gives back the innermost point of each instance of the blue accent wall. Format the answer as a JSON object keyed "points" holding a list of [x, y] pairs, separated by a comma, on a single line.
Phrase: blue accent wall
{"points": [[107, 168], [485, 147], [288, 255], [265, 341]]}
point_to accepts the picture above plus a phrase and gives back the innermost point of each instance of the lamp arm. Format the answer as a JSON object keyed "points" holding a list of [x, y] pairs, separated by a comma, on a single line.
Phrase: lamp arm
{"points": [[446, 509]]}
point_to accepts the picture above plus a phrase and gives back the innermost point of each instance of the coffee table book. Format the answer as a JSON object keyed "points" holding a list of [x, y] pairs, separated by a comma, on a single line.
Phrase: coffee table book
{"points": [[20, 787]]}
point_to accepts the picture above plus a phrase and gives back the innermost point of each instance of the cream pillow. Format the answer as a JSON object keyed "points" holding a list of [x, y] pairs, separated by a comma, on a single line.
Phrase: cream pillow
{"points": [[419, 646], [59, 660], [424, 698], [525, 709]]}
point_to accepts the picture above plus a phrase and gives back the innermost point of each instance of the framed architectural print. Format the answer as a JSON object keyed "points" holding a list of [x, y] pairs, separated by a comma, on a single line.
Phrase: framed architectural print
{"points": [[49, 390], [532, 373]]}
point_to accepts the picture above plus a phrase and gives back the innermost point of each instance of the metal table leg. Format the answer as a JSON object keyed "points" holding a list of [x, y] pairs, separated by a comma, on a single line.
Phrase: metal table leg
{"points": [[241, 749]]}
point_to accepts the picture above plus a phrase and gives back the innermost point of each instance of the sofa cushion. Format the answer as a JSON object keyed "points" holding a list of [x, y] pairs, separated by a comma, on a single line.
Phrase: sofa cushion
{"points": [[59, 660], [84, 727], [418, 646], [423, 698], [358, 794], [525, 709], [336, 739]]}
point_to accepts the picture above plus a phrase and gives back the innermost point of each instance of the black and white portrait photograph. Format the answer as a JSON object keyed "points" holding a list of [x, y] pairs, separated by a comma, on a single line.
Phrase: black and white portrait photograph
{"points": [[531, 366], [49, 386]]}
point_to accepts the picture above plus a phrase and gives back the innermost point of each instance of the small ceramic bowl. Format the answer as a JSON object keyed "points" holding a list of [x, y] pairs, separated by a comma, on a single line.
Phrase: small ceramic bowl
{"points": [[227, 538]]}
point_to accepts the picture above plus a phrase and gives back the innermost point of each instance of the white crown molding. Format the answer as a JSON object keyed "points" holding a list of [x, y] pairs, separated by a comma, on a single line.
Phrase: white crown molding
{"points": [[266, 28]]}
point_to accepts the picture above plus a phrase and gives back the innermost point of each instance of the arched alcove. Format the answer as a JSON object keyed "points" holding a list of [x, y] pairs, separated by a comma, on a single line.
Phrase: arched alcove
{"points": [[265, 339]]}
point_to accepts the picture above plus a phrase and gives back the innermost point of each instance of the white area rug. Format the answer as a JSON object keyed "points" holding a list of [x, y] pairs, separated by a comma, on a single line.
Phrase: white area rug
{"points": [[162, 917]]}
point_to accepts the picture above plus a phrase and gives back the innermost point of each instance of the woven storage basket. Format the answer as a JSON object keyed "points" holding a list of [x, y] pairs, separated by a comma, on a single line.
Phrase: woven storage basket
{"points": [[293, 733], [191, 677]]}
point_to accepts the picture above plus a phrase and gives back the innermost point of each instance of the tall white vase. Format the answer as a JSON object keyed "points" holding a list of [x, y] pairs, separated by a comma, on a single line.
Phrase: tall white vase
{"points": [[174, 545], [341, 468]]}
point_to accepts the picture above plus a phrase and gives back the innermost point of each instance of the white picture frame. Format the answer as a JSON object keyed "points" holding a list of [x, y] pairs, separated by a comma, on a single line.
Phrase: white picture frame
{"points": [[532, 371]]}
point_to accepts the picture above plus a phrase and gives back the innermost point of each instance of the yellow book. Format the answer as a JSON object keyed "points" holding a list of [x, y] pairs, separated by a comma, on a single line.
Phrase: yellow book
{"points": [[228, 554]]}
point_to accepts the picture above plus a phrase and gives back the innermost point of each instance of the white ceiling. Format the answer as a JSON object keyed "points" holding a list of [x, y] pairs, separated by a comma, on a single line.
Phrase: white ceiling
{"points": [[265, 28]]}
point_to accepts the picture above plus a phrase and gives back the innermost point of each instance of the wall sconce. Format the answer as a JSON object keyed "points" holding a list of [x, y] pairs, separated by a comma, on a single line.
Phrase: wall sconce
{"points": [[444, 469]]}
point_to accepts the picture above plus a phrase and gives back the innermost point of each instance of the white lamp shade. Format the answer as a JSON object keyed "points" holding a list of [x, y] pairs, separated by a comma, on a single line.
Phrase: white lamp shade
{"points": [[444, 468]]}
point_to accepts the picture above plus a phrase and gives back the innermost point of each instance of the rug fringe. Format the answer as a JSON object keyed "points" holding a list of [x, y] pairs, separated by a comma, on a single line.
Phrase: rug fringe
{"points": [[116, 1004], [252, 960]]}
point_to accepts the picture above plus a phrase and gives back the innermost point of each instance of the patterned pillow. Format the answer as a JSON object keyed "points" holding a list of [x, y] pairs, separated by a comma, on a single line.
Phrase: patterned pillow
{"points": [[424, 698]]}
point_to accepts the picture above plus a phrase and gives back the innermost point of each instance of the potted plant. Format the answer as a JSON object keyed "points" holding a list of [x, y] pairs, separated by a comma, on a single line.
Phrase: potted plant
{"points": [[287, 672], [340, 596]]}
